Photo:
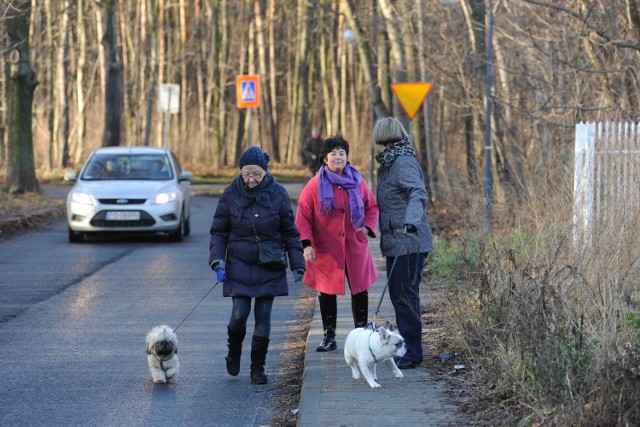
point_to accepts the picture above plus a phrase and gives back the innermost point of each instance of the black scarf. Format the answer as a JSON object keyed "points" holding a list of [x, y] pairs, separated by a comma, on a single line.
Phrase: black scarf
{"points": [[389, 154], [262, 193]]}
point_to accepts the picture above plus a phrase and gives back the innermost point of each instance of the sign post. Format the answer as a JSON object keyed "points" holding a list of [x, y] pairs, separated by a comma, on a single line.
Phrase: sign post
{"points": [[168, 103], [248, 96]]}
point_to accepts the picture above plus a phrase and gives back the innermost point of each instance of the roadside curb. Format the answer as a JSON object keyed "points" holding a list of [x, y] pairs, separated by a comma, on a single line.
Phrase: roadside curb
{"points": [[16, 224]]}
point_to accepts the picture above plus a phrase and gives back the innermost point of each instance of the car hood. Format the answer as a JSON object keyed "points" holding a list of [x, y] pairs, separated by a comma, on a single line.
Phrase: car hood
{"points": [[125, 189]]}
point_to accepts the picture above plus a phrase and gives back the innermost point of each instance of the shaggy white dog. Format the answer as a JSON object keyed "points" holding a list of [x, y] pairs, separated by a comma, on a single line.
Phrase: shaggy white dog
{"points": [[162, 351]]}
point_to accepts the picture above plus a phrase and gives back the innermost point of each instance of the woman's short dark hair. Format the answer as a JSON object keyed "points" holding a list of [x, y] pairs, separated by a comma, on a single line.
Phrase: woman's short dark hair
{"points": [[332, 143]]}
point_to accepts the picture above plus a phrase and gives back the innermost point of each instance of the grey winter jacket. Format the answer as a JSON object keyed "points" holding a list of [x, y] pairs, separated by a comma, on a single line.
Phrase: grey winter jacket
{"points": [[402, 199]]}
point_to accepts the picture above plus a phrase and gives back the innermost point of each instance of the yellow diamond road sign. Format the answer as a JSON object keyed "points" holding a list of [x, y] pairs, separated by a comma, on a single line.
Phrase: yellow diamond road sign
{"points": [[411, 96]]}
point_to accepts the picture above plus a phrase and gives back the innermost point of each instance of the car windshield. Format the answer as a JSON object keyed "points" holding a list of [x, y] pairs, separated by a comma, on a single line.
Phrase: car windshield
{"points": [[128, 167]]}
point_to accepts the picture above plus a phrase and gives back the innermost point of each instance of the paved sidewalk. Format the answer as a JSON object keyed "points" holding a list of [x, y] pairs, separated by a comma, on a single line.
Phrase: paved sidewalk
{"points": [[331, 397]]}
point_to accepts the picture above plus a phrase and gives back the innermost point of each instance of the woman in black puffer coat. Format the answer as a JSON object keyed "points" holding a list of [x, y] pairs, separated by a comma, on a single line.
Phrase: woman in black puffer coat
{"points": [[253, 196]]}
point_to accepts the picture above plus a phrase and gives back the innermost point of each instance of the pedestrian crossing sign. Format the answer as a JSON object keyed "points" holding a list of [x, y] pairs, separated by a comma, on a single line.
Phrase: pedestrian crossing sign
{"points": [[248, 91]]}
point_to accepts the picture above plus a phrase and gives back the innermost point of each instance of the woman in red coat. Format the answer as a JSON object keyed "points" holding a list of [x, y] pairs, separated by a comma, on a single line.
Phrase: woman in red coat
{"points": [[336, 213]]}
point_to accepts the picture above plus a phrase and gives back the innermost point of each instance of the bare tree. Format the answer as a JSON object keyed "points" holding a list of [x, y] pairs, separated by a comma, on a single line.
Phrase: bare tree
{"points": [[63, 71], [21, 175], [113, 72], [80, 81]]}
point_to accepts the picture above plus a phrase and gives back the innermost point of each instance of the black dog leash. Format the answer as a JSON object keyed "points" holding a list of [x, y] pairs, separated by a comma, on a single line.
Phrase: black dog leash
{"points": [[205, 295], [393, 266]]}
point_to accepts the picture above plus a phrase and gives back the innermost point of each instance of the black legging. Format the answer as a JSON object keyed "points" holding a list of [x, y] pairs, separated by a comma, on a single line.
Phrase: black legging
{"points": [[261, 313]]}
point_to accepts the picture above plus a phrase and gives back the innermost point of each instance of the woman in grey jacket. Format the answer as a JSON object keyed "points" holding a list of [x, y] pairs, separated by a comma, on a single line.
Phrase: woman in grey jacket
{"points": [[405, 234]]}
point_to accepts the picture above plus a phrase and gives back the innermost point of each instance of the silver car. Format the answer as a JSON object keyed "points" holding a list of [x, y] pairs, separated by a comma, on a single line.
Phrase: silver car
{"points": [[129, 190]]}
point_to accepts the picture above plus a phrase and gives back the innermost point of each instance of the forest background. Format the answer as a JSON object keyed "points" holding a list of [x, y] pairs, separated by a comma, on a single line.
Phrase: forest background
{"points": [[551, 328], [555, 63]]}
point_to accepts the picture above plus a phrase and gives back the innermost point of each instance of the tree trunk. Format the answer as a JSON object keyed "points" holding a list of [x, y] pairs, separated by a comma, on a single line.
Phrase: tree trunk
{"points": [[299, 80], [63, 72], [219, 145], [82, 59], [412, 76], [399, 60], [49, 88], [21, 176], [431, 175], [113, 95], [273, 75], [186, 143], [475, 15], [364, 53], [149, 41], [162, 60], [268, 125], [203, 140]]}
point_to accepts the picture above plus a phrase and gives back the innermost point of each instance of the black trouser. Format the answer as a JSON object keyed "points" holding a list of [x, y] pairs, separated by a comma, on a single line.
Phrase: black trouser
{"points": [[404, 292], [261, 312]]}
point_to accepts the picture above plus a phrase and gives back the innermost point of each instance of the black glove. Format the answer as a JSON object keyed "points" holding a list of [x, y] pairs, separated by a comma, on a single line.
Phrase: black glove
{"points": [[410, 229], [298, 275]]}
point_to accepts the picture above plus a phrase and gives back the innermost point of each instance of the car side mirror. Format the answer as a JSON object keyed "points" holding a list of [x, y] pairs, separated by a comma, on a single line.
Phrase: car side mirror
{"points": [[185, 176], [70, 176]]}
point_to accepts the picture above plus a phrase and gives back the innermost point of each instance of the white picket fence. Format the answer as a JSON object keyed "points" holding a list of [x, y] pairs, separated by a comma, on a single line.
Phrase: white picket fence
{"points": [[606, 176]]}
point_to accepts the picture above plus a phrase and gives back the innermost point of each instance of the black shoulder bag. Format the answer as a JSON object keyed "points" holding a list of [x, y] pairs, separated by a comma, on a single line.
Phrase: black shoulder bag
{"points": [[270, 254]]}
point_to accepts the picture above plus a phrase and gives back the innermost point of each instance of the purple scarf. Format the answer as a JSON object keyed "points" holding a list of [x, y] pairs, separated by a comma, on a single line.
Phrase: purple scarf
{"points": [[349, 180]]}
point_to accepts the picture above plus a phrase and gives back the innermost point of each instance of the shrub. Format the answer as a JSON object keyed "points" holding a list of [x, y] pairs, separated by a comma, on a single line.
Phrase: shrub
{"points": [[550, 323]]}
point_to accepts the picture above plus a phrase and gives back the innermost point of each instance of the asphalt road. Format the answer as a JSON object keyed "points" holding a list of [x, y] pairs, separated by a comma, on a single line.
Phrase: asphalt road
{"points": [[73, 321]]}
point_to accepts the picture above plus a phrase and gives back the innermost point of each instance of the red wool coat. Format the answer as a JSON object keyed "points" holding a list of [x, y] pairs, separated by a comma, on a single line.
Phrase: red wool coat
{"points": [[335, 242]]}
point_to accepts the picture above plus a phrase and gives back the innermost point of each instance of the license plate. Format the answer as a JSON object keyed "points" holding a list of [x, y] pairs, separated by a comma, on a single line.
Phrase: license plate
{"points": [[122, 216]]}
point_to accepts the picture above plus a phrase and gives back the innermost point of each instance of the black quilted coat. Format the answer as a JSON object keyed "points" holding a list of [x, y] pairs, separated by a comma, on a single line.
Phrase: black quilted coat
{"points": [[233, 240]]}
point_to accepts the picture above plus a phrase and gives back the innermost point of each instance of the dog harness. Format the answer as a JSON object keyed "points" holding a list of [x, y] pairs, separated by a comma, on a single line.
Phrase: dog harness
{"points": [[370, 350], [165, 360]]}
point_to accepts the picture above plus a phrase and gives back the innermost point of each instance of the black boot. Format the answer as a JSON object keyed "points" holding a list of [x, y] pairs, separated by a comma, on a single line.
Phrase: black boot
{"points": [[360, 309], [329, 341], [259, 346], [235, 351], [329, 312]]}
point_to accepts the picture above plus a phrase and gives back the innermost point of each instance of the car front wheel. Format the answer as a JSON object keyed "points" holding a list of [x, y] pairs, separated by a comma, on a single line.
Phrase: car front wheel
{"points": [[178, 234], [187, 226], [75, 237]]}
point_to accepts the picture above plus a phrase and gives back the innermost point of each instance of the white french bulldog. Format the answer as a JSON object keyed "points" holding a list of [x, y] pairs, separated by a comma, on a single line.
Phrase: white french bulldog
{"points": [[367, 347]]}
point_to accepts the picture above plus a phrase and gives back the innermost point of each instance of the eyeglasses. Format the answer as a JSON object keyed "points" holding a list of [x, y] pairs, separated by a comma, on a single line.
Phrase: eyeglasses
{"points": [[256, 176]]}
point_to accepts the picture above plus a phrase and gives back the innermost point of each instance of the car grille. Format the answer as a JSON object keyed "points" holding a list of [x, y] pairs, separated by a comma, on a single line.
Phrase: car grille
{"points": [[122, 201], [145, 220]]}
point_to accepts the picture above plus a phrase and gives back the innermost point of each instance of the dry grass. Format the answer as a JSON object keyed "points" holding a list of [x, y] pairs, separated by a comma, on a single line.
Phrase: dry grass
{"points": [[286, 397], [549, 327]]}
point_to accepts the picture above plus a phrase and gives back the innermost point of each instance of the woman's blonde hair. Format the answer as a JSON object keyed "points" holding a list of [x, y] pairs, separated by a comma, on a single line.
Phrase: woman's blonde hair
{"points": [[388, 130]]}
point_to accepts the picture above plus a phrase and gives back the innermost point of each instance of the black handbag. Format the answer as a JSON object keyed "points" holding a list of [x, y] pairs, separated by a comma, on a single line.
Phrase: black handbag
{"points": [[270, 254]]}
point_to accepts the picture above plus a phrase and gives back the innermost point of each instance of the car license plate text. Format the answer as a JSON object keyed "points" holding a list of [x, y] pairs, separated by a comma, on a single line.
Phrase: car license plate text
{"points": [[122, 216]]}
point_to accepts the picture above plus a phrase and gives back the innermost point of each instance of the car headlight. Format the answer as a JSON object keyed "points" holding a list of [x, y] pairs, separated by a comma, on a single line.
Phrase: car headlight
{"points": [[163, 198], [82, 197]]}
